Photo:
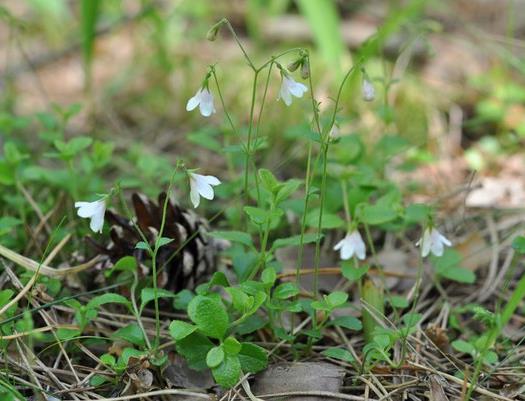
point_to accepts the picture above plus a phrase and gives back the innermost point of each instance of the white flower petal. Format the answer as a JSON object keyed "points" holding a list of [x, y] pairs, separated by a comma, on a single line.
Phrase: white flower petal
{"points": [[206, 109], [194, 101], [437, 249], [339, 245], [201, 185], [289, 88], [194, 196], [93, 210], [206, 106], [368, 90], [352, 244], [444, 240], [434, 242], [297, 89], [97, 221], [425, 243], [86, 209], [347, 251], [334, 132], [359, 245], [205, 190], [210, 179], [285, 94]]}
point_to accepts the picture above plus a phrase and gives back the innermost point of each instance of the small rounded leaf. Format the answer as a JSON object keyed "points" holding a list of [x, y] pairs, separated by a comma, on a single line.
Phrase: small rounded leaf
{"points": [[214, 357], [180, 329], [232, 346], [209, 315], [337, 298], [253, 358], [227, 374]]}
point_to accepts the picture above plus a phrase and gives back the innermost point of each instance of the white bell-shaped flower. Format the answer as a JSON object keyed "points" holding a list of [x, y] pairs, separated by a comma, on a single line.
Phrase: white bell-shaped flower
{"points": [[368, 91], [202, 185], [204, 99], [352, 244], [289, 88], [334, 132], [94, 211], [433, 241]]}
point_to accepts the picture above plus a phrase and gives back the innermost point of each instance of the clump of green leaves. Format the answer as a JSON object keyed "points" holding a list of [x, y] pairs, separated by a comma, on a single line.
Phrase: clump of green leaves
{"points": [[209, 341]]}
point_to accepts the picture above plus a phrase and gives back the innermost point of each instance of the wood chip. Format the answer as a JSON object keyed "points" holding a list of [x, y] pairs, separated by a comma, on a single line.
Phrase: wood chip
{"points": [[307, 376]]}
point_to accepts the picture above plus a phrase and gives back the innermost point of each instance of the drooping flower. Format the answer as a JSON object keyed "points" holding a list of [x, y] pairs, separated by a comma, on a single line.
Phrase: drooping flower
{"points": [[334, 132], [289, 88], [202, 185], [204, 99], [368, 91], [94, 211], [352, 244], [433, 241]]}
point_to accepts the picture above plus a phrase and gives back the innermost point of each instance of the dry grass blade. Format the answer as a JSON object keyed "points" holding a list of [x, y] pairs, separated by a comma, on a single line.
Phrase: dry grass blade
{"points": [[31, 265]]}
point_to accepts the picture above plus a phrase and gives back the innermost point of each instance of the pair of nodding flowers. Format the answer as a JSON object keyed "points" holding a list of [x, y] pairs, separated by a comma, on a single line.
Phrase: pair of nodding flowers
{"points": [[204, 98], [200, 185], [431, 242]]}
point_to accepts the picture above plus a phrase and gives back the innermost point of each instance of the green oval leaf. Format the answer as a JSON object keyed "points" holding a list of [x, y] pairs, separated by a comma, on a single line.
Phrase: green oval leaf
{"points": [[108, 298], [253, 358], [338, 353], [180, 329], [215, 357], [227, 374], [209, 315]]}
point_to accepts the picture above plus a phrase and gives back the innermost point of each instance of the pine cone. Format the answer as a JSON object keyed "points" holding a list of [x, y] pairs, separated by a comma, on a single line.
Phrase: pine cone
{"points": [[184, 263]]}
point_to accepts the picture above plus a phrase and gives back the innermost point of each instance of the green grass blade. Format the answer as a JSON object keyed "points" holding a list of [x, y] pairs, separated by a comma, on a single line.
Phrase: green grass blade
{"points": [[89, 15], [393, 23], [324, 21]]}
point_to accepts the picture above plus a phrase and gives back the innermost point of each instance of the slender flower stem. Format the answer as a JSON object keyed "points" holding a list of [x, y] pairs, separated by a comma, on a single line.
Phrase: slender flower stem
{"points": [[154, 262], [132, 221], [325, 143], [248, 147], [300, 256], [232, 125], [152, 253], [264, 244], [274, 58], [414, 302], [248, 143], [383, 281], [231, 167], [308, 181], [344, 189], [256, 71], [263, 102], [136, 311], [305, 207], [317, 257], [239, 43]]}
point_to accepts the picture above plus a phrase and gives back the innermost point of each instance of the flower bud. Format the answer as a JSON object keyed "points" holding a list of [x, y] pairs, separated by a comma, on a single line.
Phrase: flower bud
{"points": [[214, 30], [368, 91], [305, 69], [294, 65]]}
